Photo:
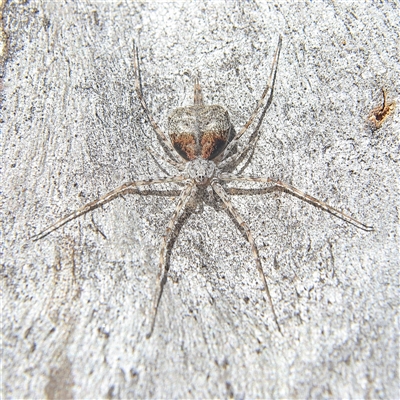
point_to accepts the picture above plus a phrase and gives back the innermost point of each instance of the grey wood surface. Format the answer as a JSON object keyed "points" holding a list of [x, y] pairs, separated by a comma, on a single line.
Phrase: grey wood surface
{"points": [[76, 304]]}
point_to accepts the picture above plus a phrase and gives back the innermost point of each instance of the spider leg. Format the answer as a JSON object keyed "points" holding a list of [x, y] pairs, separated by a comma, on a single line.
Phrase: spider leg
{"points": [[162, 277], [138, 88], [303, 196], [157, 157], [225, 198], [126, 187], [198, 95], [260, 103], [235, 159]]}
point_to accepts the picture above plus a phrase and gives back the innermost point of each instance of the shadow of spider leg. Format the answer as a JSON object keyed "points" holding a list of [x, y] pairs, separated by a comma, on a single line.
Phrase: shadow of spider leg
{"points": [[225, 198], [298, 193], [123, 189], [162, 265], [264, 100], [292, 190], [138, 88]]}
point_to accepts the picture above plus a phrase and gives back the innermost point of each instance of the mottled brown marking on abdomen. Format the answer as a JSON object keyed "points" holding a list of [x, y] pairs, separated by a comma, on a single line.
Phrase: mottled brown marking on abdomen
{"points": [[199, 131], [185, 145], [212, 143]]}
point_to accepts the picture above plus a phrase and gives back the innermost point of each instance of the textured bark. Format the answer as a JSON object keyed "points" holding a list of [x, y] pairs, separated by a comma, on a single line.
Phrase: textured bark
{"points": [[76, 304]]}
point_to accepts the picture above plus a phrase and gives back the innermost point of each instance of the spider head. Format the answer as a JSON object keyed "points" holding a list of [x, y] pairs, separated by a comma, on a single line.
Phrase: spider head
{"points": [[201, 171]]}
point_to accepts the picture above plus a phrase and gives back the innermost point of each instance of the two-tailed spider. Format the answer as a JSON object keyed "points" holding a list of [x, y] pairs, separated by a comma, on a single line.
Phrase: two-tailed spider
{"points": [[201, 148]]}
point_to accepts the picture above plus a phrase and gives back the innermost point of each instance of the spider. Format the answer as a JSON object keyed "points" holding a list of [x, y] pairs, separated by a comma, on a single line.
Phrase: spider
{"points": [[203, 147]]}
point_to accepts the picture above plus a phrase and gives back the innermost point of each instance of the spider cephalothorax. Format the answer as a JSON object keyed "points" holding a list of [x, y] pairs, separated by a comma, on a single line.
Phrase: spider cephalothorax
{"points": [[201, 148], [201, 171]]}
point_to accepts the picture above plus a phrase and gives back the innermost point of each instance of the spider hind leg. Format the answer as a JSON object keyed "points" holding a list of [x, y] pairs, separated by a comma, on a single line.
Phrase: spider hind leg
{"points": [[225, 198]]}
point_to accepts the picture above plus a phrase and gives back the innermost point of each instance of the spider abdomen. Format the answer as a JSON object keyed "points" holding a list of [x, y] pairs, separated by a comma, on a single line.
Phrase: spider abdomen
{"points": [[199, 131]]}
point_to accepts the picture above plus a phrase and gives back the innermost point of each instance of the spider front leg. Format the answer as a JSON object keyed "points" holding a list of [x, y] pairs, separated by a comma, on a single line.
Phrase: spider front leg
{"points": [[153, 123], [125, 188], [303, 196], [162, 277], [157, 156], [225, 198], [233, 160], [261, 103]]}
